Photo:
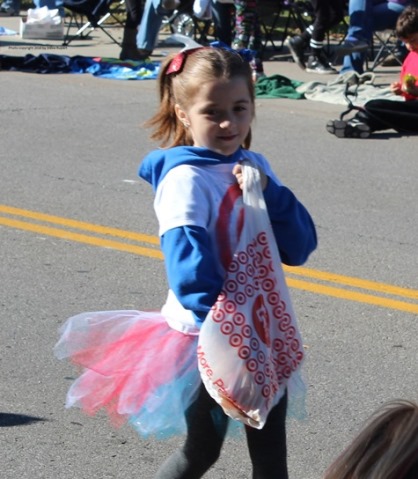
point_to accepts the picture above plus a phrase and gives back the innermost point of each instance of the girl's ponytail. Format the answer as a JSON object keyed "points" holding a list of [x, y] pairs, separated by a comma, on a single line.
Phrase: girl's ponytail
{"points": [[168, 130]]}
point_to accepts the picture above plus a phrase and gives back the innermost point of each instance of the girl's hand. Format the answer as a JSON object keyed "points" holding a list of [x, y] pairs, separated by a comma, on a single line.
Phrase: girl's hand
{"points": [[396, 88], [237, 172]]}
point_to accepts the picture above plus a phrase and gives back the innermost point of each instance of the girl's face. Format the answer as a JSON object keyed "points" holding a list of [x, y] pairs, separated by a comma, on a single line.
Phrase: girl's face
{"points": [[219, 116], [411, 42]]}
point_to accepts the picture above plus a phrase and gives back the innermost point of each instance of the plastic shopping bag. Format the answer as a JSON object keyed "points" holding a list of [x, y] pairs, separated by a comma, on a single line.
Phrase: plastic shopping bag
{"points": [[249, 345]]}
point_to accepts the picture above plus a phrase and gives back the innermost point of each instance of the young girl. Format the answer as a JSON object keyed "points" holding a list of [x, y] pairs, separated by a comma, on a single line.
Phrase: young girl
{"points": [[144, 365]]}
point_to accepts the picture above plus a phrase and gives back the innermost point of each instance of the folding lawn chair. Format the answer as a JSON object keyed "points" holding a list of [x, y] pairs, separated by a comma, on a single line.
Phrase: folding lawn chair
{"points": [[102, 14], [384, 44], [294, 14]]}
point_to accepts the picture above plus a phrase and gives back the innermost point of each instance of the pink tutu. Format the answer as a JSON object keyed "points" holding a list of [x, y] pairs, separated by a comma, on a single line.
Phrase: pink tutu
{"points": [[134, 366]]}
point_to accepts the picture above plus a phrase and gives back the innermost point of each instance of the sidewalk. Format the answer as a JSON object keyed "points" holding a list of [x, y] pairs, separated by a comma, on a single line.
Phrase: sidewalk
{"points": [[97, 44]]}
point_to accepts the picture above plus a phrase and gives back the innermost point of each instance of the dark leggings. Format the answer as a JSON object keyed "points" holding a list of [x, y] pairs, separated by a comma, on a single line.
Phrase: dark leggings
{"points": [[206, 430], [328, 14], [401, 116]]}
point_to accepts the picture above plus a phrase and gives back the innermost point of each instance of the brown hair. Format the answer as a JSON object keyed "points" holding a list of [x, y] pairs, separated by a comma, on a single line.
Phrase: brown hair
{"points": [[407, 23], [200, 65], [387, 448]]}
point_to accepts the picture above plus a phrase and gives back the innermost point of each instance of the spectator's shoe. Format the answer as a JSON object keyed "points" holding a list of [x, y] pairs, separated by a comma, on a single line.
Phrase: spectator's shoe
{"points": [[319, 64], [353, 128], [352, 46], [297, 47]]}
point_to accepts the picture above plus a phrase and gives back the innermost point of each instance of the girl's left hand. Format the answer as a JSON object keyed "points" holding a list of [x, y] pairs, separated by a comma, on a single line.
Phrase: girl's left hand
{"points": [[237, 172]]}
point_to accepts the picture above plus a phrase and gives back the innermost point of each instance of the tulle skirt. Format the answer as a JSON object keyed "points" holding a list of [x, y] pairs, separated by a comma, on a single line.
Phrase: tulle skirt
{"points": [[134, 366]]}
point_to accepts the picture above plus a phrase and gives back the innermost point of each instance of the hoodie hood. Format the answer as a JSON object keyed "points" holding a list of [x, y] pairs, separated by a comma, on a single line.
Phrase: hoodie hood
{"points": [[158, 163]]}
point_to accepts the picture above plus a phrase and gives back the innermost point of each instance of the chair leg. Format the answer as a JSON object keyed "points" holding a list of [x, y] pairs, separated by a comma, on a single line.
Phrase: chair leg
{"points": [[387, 47]]}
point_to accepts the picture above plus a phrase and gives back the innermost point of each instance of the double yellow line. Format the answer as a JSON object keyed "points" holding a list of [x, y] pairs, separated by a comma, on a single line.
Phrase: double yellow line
{"points": [[319, 282]]}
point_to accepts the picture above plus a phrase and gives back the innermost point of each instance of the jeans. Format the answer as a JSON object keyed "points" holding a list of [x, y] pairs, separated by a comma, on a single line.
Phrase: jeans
{"points": [[366, 17], [150, 25]]}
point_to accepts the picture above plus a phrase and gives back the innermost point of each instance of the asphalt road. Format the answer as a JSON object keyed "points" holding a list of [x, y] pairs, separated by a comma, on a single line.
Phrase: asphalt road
{"points": [[70, 148]]}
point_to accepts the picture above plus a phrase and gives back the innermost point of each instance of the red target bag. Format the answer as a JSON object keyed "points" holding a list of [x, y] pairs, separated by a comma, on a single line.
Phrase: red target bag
{"points": [[249, 344]]}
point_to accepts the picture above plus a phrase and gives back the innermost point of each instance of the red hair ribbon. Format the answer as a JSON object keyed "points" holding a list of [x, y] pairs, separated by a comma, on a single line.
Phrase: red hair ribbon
{"points": [[177, 63]]}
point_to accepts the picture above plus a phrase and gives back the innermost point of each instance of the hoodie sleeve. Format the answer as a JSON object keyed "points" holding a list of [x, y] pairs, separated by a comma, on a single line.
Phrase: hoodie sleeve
{"points": [[191, 271], [292, 225]]}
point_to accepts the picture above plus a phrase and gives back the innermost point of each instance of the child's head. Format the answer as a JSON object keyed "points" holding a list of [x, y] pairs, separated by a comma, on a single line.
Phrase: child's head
{"points": [[407, 27], [386, 449], [207, 99]]}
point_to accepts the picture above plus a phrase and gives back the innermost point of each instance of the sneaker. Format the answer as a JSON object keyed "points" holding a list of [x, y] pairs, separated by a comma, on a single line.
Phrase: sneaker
{"points": [[348, 129], [318, 64], [352, 46], [297, 47]]}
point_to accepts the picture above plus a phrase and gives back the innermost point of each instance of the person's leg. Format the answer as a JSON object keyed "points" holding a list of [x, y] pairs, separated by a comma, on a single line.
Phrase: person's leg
{"points": [[385, 15], [324, 16], [134, 10], [245, 12], [206, 430], [378, 115], [248, 32], [328, 13], [358, 11], [222, 19], [298, 45], [358, 37], [267, 446], [401, 116], [336, 13], [150, 25], [130, 51]]}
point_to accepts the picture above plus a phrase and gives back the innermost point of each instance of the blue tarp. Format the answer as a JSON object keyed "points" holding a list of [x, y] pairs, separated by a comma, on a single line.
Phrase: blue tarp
{"points": [[99, 67]]}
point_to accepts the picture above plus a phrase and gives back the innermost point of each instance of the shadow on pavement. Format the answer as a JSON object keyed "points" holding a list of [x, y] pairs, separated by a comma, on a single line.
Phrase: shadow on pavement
{"points": [[9, 419]]}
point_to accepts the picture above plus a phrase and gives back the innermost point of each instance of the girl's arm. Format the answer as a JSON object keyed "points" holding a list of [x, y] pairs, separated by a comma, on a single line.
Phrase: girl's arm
{"points": [[292, 224], [191, 269]]}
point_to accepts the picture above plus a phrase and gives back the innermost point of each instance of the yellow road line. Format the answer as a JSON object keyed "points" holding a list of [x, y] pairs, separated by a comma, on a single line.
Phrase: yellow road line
{"points": [[352, 295], [80, 225], [355, 282], [314, 287], [80, 238]]}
